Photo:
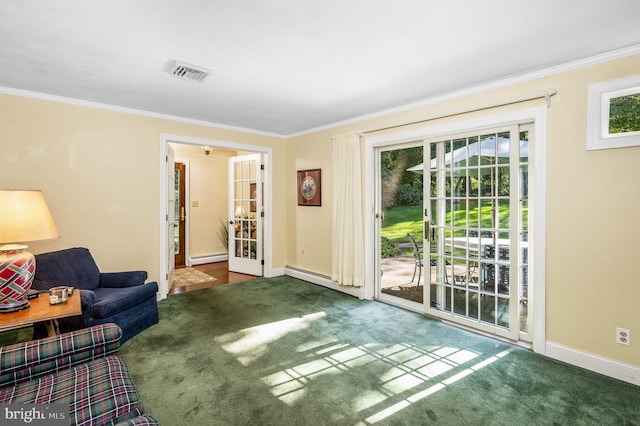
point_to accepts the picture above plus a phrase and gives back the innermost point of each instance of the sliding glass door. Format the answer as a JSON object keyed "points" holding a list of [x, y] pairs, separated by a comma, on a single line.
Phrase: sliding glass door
{"points": [[453, 227]]}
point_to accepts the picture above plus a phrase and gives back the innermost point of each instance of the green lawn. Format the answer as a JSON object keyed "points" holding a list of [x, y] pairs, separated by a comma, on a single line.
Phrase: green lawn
{"points": [[402, 220]]}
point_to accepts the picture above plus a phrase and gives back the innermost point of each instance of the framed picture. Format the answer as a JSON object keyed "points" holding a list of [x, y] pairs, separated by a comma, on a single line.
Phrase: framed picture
{"points": [[309, 187]]}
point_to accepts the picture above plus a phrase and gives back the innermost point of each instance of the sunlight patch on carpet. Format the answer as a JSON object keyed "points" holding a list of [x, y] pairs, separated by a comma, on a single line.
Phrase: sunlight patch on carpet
{"points": [[404, 367], [418, 396], [250, 344]]}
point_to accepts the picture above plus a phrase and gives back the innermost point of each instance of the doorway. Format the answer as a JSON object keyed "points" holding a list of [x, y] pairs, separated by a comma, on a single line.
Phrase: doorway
{"points": [[166, 266]]}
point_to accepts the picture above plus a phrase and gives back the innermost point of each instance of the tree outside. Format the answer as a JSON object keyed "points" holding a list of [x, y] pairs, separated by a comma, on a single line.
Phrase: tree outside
{"points": [[624, 114]]}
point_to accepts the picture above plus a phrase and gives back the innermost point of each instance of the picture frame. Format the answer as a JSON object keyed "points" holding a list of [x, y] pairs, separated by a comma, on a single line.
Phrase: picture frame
{"points": [[310, 187]]}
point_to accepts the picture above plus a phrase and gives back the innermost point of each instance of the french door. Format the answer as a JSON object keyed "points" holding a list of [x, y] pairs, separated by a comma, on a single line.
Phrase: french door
{"points": [[245, 214], [476, 226]]}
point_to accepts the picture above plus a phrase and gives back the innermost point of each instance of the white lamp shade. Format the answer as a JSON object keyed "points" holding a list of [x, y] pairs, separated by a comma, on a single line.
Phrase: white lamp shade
{"points": [[25, 217]]}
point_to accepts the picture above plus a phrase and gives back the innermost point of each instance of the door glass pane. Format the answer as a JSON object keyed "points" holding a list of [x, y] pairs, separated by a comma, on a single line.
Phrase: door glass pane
{"points": [[503, 213], [486, 213], [503, 181], [474, 181], [503, 312], [402, 256], [460, 302], [487, 308]]}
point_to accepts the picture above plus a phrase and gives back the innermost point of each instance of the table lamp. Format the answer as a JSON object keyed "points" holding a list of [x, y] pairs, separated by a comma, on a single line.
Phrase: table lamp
{"points": [[24, 218]]}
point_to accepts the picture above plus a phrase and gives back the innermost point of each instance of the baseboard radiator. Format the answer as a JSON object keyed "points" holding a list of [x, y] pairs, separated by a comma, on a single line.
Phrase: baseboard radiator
{"points": [[211, 258], [321, 279]]}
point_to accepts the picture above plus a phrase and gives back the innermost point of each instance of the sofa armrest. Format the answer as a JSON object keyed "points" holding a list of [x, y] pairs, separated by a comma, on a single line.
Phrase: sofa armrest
{"points": [[87, 297], [25, 361], [122, 279]]}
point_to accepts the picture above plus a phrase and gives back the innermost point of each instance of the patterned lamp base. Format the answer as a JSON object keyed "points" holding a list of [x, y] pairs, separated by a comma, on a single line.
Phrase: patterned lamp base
{"points": [[16, 274]]}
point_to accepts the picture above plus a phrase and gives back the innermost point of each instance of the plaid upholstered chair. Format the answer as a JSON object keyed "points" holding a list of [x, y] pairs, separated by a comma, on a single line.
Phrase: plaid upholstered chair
{"points": [[119, 297], [80, 370]]}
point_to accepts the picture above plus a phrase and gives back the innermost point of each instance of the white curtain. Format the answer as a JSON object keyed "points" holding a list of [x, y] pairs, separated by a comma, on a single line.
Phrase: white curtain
{"points": [[347, 261]]}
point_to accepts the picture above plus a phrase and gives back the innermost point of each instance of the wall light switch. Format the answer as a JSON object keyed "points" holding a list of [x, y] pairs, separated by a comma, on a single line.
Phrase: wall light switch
{"points": [[194, 204]]}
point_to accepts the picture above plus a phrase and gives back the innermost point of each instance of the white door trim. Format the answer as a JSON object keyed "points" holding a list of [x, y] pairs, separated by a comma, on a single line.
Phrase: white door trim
{"points": [[537, 232], [165, 139]]}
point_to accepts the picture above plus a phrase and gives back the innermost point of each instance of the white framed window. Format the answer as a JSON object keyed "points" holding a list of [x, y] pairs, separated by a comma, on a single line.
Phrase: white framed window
{"points": [[613, 119]]}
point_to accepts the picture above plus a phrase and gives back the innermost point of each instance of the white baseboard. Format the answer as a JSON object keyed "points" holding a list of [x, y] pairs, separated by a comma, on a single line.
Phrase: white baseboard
{"points": [[322, 280], [212, 258], [608, 367], [278, 272]]}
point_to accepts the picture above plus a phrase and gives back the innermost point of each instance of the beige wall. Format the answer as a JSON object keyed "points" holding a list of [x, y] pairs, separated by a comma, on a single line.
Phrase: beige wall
{"points": [[99, 172], [310, 229], [592, 281], [208, 187]]}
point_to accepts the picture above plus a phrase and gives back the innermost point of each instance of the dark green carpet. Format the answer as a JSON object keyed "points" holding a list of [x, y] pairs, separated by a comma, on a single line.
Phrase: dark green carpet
{"points": [[281, 351]]}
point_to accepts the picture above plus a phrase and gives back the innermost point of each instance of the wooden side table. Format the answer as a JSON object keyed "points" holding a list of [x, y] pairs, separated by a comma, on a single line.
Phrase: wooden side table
{"points": [[40, 310]]}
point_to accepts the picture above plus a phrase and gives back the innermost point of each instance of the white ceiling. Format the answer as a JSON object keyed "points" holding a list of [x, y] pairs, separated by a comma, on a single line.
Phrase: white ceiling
{"points": [[287, 66]]}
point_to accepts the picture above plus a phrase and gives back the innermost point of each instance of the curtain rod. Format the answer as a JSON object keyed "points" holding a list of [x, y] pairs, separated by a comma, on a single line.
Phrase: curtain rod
{"points": [[546, 94]]}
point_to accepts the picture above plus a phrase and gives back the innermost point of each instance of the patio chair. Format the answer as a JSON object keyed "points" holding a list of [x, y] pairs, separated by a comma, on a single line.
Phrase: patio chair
{"points": [[418, 258]]}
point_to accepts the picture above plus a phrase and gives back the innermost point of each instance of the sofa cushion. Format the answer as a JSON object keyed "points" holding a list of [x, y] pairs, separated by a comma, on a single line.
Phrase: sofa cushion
{"points": [[72, 267], [96, 392], [110, 301]]}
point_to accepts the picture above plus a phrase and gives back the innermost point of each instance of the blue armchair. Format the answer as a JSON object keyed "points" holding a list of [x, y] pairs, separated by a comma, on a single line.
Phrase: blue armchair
{"points": [[119, 297]]}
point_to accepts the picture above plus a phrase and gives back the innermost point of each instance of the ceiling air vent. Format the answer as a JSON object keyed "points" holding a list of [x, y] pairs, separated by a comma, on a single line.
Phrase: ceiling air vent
{"points": [[187, 71]]}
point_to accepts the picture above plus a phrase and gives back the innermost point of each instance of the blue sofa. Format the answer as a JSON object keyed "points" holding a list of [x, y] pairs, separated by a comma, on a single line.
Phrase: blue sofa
{"points": [[112, 297]]}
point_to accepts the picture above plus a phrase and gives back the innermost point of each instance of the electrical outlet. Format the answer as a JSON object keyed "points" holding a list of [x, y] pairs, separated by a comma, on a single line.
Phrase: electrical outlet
{"points": [[623, 336], [301, 251]]}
